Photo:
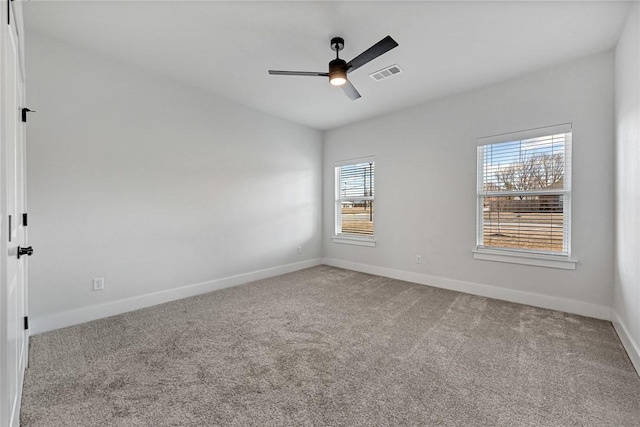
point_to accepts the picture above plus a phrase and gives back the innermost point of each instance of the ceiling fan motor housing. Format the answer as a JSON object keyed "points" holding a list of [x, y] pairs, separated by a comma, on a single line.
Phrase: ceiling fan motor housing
{"points": [[337, 65]]}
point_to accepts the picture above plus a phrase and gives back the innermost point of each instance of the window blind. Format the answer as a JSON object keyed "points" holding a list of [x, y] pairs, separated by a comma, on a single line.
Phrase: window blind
{"points": [[355, 195], [524, 192]]}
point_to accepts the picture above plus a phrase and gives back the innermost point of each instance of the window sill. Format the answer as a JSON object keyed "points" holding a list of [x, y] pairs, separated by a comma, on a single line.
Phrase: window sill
{"points": [[354, 240], [512, 257]]}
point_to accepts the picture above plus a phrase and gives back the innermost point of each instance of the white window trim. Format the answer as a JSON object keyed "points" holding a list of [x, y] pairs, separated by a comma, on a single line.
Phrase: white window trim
{"points": [[354, 161], [525, 134], [351, 239], [522, 256], [513, 256], [348, 239]]}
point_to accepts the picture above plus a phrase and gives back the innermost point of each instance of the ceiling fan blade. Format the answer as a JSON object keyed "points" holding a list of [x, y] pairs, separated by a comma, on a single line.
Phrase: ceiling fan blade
{"points": [[351, 91], [382, 47], [298, 73]]}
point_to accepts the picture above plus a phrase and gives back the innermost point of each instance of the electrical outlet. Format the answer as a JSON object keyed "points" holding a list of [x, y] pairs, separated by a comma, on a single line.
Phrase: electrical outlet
{"points": [[418, 259], [98, 283], [299, 249]]}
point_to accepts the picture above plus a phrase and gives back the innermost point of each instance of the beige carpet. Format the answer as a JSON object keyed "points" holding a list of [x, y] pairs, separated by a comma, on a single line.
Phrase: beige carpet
{"points": [[326, 346]]}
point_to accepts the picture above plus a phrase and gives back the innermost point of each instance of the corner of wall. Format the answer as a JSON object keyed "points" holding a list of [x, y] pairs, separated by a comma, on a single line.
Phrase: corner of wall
{"points": [[626, 288], [629, 344]]}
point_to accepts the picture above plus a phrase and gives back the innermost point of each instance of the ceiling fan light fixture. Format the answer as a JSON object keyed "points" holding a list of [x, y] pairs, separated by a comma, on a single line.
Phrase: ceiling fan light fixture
{"points": [[337, 79], [337, 73]]}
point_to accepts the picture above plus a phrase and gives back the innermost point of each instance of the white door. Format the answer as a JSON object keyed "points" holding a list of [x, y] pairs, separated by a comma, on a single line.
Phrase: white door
{"points": [[14, 336]]}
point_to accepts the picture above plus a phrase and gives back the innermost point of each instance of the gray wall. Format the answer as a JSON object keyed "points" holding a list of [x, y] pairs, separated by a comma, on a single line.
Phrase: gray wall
{"points": [[426, 186], [626, 301], [155, 186]]}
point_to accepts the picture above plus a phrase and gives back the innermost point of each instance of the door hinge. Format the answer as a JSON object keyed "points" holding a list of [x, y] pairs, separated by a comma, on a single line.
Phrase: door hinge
{"points": [[24, 219], [24, 114], [9, 12], [26, 322]]}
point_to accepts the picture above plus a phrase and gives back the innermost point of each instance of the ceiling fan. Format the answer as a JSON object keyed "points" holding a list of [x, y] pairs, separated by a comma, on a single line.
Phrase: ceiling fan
{"points": [[339, 68]]}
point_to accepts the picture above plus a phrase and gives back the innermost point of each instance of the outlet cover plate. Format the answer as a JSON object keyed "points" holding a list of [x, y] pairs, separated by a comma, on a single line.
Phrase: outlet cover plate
{"points": [[98, 283]]}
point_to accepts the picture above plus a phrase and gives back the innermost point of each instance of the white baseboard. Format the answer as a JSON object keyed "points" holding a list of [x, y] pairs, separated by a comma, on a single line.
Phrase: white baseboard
{"points": [[94, 312], [537, 300], [632, 347]]}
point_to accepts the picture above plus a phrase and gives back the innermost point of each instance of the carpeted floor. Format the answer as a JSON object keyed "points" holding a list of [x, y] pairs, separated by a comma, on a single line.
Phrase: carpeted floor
{"points": [[325, 346]]}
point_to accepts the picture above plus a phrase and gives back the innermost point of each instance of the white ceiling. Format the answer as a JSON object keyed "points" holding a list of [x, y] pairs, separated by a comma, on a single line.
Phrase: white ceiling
{"points": [[227, 47]]}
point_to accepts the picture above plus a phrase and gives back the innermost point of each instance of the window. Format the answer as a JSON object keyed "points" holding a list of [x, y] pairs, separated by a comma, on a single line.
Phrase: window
{"points": [[524, 192], [355, 202]]}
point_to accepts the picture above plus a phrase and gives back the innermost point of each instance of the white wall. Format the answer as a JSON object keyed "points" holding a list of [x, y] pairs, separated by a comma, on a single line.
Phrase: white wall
{"points": [[426, 187], [155, 186], [626, 301]]}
